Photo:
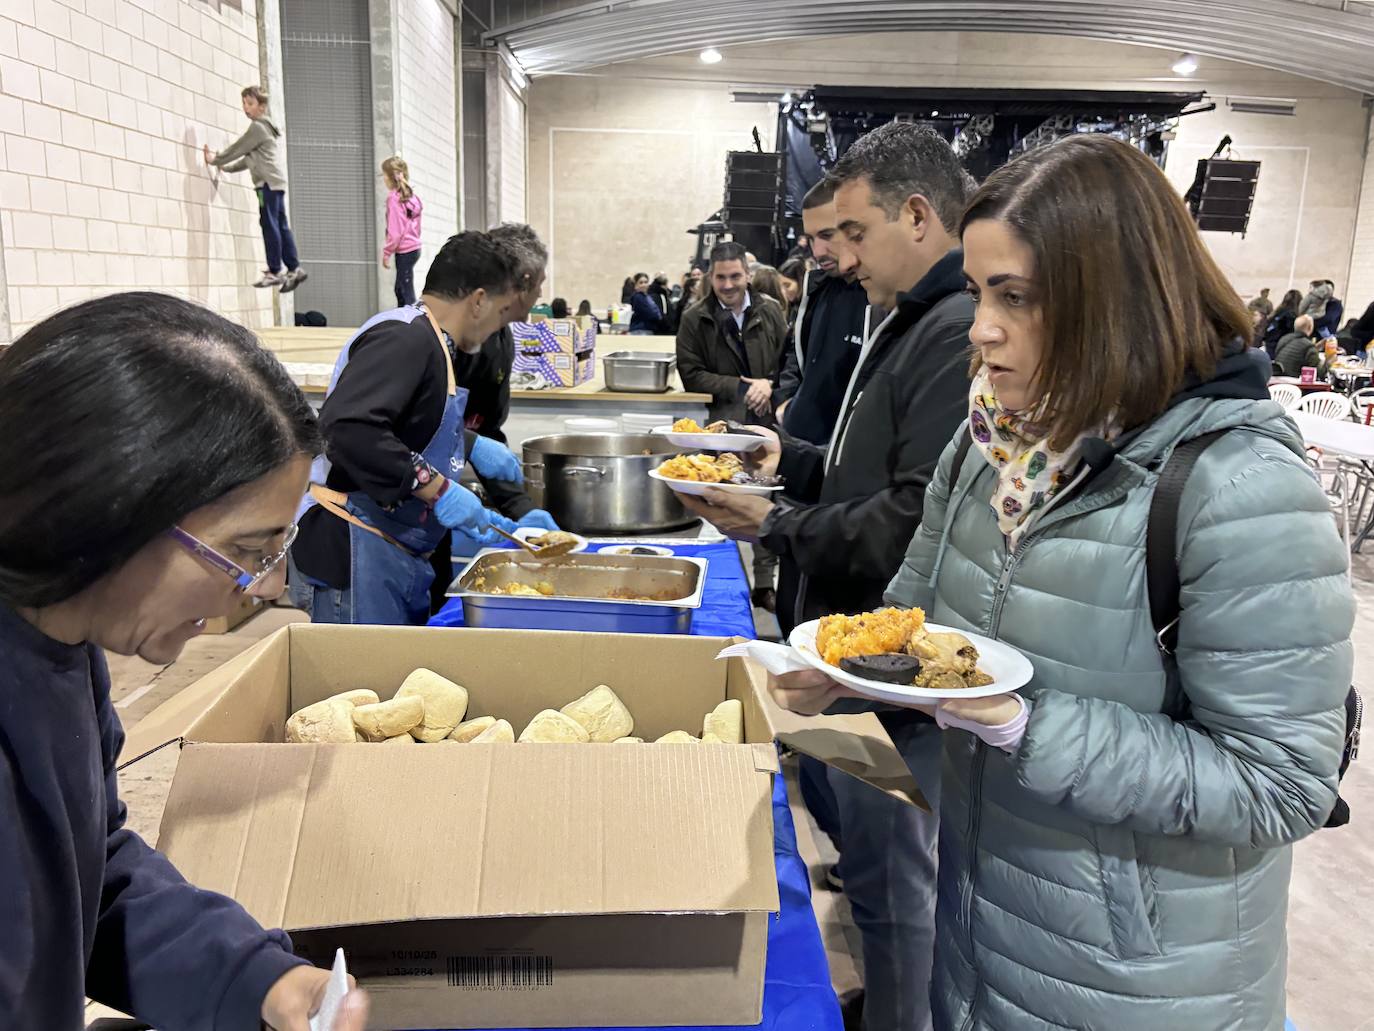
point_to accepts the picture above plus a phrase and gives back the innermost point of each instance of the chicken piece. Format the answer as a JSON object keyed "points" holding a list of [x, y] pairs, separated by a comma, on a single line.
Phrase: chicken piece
{"points": [[940, 679], [719, 426], [726, 722], [602, 715], [390, 718], [471, 728], [329, 722], [445, 703], [499, 733], [552, 727]]}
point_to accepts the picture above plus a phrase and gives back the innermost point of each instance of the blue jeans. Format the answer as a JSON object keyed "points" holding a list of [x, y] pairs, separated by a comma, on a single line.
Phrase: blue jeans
{"points": [[395, 586], [277, 237], [888, 864], [405, 277]]}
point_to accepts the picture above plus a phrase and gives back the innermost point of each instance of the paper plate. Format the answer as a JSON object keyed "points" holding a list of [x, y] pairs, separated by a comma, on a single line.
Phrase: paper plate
{"points": [[525, 533], [697, 488], [712, 441], [1008, 668]]}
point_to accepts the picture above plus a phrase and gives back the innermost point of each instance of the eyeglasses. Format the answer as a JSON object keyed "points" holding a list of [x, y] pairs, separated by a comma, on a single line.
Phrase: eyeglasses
{"points": [[244, 579]]}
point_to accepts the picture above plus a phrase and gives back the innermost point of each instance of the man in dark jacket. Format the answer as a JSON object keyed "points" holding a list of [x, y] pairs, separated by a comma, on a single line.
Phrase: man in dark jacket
{"points": [[729, 344], [1297, 349], [852, 508], [832, 320]]}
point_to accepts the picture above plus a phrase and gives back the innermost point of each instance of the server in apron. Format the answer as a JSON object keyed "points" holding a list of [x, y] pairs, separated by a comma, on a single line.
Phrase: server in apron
{"points": [[394, 441]]}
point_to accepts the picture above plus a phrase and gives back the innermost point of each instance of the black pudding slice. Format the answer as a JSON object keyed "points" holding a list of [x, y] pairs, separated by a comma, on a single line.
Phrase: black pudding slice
{"points": [[889, 668]]}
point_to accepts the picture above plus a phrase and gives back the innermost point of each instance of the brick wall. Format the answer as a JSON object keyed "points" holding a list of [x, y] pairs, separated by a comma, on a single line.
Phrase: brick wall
{"points": [[1360, 292], [104, 106], [427, 120]]}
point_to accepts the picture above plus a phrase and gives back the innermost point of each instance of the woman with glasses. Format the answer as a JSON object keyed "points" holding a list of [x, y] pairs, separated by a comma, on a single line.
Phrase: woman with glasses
{"points": [[151, 458]]}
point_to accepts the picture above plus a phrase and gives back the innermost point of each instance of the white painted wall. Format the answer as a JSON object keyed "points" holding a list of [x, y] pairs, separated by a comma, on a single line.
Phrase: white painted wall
{"points": [[103, 110], [427, 127], [625, 158]]}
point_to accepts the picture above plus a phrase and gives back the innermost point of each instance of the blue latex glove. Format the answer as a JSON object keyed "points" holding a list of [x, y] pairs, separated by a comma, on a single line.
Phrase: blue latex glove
{"points": [[538, 519], [495, 461], [460, 509], [490, 539]]}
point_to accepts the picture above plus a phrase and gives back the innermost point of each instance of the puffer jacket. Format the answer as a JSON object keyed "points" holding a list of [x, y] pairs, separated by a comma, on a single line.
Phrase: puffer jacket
{"points": [[1124, 871]]}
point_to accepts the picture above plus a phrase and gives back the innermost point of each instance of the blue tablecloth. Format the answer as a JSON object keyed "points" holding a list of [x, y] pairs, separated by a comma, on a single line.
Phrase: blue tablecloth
{"points": [[797, 995], [725, 610]]}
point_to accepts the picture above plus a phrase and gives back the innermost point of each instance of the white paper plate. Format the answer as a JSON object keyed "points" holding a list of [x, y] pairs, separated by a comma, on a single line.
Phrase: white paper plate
{"points": [[1008, 668], [627, 549], [525, 533], [712, 441], [697, 488]]}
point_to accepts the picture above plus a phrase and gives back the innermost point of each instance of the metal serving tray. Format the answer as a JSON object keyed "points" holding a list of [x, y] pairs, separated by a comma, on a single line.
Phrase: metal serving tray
{"points": [[638, 371], [580, 583]]}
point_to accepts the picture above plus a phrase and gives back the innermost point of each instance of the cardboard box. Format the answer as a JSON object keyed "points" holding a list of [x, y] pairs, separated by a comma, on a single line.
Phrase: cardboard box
{"points": [[246, 608], [501, 885], [561, 351]]}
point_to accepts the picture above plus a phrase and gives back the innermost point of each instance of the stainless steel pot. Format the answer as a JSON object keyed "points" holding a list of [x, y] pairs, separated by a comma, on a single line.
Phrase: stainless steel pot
{"points": [[599, 482]]}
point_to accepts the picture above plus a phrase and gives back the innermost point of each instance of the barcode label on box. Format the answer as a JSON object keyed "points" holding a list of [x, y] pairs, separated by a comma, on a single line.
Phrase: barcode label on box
{"points": [[500, 973]]}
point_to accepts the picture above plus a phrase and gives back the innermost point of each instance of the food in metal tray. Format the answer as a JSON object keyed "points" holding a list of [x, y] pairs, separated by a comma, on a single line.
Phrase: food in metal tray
{"points": [[726, 468], [945, 660]]}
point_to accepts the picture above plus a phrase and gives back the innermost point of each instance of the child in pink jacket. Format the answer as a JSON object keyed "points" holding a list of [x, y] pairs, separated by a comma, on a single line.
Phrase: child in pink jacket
{"points": [[403, 210]]}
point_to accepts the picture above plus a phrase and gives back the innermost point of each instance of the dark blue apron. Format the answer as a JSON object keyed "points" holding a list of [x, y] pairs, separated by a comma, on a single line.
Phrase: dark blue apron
{"points": [[389, 549]]}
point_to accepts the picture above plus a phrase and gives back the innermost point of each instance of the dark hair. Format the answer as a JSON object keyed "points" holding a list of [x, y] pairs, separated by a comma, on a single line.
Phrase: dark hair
{"points": [[118, 417], [256, 92], [1131, 300], [1292, 301], [585, 307], [819, 195], [766, 282], [793, 269], [559, 307], [902, 158], [641, 275], [470, 261], [528, 255], [729, 250]]}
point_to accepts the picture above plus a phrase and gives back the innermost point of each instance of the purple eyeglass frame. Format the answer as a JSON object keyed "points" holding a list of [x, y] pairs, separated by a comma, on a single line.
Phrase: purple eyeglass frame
{"points": [[243, 579]]}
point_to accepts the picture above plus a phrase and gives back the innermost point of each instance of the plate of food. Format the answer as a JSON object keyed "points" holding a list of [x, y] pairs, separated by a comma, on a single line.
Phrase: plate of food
{"points": [[715, 436], [696, 474], [894, 655], [637, 549], [541, 538]]}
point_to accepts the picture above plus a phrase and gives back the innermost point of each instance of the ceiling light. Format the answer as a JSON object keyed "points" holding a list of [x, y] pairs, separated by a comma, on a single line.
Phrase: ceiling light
{"points": [[711, 56], [1186, 64]]}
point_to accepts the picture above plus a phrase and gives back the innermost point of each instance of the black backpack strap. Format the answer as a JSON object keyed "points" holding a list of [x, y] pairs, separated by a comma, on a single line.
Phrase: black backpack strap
{"points": [[1161, 541], [960, 453]]}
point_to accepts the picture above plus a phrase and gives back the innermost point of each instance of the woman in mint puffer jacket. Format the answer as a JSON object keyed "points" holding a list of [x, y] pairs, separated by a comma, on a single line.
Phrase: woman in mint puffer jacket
{"points": [[1102, 865]]}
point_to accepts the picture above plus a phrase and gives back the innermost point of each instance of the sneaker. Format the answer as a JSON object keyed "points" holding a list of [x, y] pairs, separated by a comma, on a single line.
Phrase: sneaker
{"points": [[269, 279], [293, 279], [764, 598]]}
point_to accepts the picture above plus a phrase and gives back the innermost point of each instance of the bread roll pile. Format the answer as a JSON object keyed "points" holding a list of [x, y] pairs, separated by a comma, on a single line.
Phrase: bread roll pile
{"points": [[430, 708]]}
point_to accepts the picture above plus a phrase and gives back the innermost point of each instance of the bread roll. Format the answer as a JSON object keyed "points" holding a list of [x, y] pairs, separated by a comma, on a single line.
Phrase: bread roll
{"points": [[400, 739], [387, 719], [602, 715], [628, 741], [499, 733], [445, 703], [362, 696], [726, 721], [469, 730], [324, 723], [677, 737], [711, 739], [552, 727]]}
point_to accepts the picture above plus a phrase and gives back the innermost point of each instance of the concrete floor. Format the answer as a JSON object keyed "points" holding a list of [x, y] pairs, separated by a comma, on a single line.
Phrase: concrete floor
{"points": [[1331, 910]]}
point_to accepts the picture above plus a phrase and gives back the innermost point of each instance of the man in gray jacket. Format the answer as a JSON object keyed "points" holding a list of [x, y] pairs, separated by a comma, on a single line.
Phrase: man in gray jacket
{"points": [[256, 152]]}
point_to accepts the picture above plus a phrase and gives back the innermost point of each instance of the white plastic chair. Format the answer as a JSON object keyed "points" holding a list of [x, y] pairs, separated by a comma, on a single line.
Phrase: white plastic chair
{"points": [[1360, 399], [1286, 394], [1326, 405]]}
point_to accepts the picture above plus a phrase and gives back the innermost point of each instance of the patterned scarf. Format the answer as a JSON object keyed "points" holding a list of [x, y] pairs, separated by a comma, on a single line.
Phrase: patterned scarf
{"points": [[1029, 471]]}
